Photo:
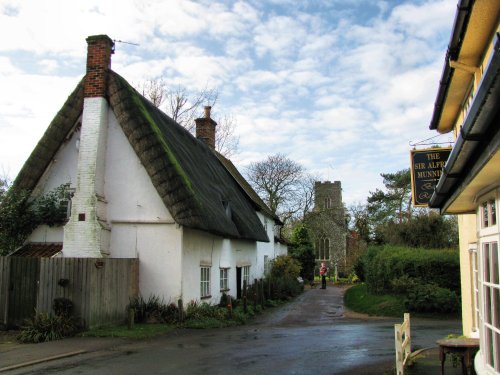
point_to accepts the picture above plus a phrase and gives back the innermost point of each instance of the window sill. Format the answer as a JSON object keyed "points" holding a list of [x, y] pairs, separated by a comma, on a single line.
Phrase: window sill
{"points": [[225, 290], [206, 297]]}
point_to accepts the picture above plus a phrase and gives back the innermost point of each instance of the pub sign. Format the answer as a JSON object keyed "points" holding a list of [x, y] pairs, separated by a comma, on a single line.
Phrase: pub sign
{"points": [[426, 168]]}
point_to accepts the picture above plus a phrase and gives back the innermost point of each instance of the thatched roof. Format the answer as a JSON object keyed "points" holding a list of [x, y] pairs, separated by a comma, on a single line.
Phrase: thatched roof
{"points": [[195, 186]]}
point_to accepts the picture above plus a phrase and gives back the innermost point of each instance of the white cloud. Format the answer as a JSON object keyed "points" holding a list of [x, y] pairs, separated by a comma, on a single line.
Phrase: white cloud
{"points": [[339, 91]]}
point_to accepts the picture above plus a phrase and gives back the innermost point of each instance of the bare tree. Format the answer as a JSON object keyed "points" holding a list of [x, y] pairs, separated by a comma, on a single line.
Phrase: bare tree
{"points": [[184, 107], [278, 180], [226, 142]]}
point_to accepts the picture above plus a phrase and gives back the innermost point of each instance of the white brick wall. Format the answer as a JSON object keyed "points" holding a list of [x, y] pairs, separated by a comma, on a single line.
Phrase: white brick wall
{"points": [[84, 238]]}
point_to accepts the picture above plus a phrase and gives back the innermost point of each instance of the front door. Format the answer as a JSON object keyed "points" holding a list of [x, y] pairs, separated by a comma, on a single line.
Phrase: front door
{"points": [[238, 282]]}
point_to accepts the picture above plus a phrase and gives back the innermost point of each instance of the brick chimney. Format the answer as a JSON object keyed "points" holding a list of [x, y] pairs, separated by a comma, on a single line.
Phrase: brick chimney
{"points": [[99, 51], [205, 128]]}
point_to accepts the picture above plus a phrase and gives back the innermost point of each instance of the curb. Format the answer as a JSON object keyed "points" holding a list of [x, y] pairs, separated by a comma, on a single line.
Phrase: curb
{"points": [[47, 359]]}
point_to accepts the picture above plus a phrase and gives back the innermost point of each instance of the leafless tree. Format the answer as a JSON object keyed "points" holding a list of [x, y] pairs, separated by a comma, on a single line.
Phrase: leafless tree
{"points": [[279, 181], [226, 141], [184, 107]]}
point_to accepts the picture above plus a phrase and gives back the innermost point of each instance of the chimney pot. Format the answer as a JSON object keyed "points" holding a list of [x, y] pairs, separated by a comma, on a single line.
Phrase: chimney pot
{"points": [[205, 128]]}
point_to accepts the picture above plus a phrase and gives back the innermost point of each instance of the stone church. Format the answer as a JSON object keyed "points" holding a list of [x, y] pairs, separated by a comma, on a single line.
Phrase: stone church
{"points": [[327, 226]]}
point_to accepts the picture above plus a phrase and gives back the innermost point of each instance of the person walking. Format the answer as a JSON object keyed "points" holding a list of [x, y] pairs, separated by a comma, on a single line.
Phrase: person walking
{"points": [[322, 272]]}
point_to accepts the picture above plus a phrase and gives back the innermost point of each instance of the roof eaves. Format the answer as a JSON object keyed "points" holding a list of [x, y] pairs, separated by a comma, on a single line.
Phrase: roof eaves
{"points": [[459, 27]]}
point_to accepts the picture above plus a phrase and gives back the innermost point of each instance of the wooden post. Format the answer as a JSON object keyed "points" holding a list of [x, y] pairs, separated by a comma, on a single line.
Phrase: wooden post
{"points": [[402, 339], [254, 290], [261, 294], [130, 318], [244, 294], [181, 310], [230, 307]]}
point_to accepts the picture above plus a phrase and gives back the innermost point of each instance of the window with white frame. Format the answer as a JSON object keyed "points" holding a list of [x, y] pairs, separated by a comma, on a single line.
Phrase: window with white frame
{"points": [[473, 260], [246, 274], [205, 282], [223, 279], [490, 304], [488, 214], [266, 265]]}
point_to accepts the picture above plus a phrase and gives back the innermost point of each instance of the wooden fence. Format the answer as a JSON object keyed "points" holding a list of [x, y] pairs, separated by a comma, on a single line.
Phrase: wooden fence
{"points": [[100, 288], [402, 339]]}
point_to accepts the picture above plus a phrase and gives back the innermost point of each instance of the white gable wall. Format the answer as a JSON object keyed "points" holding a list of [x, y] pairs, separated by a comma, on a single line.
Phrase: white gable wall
{"points": [[62, 170], [141, 225]]}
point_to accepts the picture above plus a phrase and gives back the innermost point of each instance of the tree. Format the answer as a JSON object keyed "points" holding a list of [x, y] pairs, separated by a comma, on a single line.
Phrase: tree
{"points": [[359, 220], [395, 203], [279, 181], [302, 250], [183, 108]]}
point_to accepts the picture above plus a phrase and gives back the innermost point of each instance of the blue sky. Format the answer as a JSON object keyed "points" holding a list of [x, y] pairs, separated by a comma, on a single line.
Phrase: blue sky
{"points": [[340, 86]]}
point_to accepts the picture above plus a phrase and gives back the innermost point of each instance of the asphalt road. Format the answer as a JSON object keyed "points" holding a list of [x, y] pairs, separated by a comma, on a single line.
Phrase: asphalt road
{"points": [[312, 335]]}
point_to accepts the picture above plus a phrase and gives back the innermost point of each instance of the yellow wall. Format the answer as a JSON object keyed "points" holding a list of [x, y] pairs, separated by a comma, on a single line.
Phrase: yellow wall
{"points": [[467, 236]]}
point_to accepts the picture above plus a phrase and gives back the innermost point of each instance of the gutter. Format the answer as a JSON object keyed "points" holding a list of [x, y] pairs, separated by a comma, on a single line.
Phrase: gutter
{"points": [[475, 132], [459, 27]]}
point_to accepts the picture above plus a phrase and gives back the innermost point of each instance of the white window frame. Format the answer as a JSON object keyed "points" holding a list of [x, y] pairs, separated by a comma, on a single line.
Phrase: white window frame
{"points": [[245, 274], [205, 281], [224, 285], [474, 271], [489, 284], [266, 265]]}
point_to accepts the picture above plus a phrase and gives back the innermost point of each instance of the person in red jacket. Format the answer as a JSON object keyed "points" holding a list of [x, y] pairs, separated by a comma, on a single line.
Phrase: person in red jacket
{"points": [[322, 272]]}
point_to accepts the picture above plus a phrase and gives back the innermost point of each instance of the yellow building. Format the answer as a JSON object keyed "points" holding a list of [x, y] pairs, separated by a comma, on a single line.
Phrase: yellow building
{"points": [[468, 103]]}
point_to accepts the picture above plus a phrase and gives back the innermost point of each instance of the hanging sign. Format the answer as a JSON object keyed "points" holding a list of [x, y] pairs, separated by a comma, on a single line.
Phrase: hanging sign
{"points": [[426, 168]]}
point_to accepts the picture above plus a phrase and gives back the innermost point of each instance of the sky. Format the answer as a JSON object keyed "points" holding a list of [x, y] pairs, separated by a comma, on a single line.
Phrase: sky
{"points": [[340, 86]]}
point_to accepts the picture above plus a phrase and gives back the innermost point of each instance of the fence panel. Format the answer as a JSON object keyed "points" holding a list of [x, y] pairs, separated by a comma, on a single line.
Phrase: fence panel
{"points": [[4, 290], [22, 289], [100, 288]]}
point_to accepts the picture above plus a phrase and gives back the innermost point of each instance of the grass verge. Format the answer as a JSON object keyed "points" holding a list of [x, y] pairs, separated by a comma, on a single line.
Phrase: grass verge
{"points": [[360, 300], [140, 331]]}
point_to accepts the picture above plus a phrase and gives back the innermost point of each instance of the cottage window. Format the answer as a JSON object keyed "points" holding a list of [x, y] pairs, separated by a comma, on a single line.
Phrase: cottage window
{"points": [[223, 279], [246, 274], [266, 265], [205, 282]]}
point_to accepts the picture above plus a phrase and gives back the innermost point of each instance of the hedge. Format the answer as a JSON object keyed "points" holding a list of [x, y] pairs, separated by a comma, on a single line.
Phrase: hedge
{"points": [[382, 265]]}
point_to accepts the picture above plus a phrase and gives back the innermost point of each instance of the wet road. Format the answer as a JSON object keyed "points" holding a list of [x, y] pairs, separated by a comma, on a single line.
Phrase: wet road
{"points": [[312, 335]]}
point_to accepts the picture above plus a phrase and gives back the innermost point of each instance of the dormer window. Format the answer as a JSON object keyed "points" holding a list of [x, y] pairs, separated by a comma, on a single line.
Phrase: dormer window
{"points": [[227, 208]]}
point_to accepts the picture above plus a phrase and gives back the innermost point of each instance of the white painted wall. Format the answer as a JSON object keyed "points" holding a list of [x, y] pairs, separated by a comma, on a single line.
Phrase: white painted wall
{"points": [[129, 191], [158, 247], [141, 225], [61, 170], [82, 238], [203, 249]]}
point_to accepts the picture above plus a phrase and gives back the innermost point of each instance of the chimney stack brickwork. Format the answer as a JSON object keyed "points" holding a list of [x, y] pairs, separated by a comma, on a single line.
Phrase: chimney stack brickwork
{"points": [[85, 234], [100, 49], [205, 128]]}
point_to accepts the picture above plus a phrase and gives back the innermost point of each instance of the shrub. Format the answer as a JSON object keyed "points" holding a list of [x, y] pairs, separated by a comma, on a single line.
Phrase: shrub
{"points": [[431, 298], [62, 306], [285, 266], [153, 310], [385, 264], [44, 327]]}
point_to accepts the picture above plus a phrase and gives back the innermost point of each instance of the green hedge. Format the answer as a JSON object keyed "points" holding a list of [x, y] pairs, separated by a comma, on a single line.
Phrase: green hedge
{"points": [[383, 265]]}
